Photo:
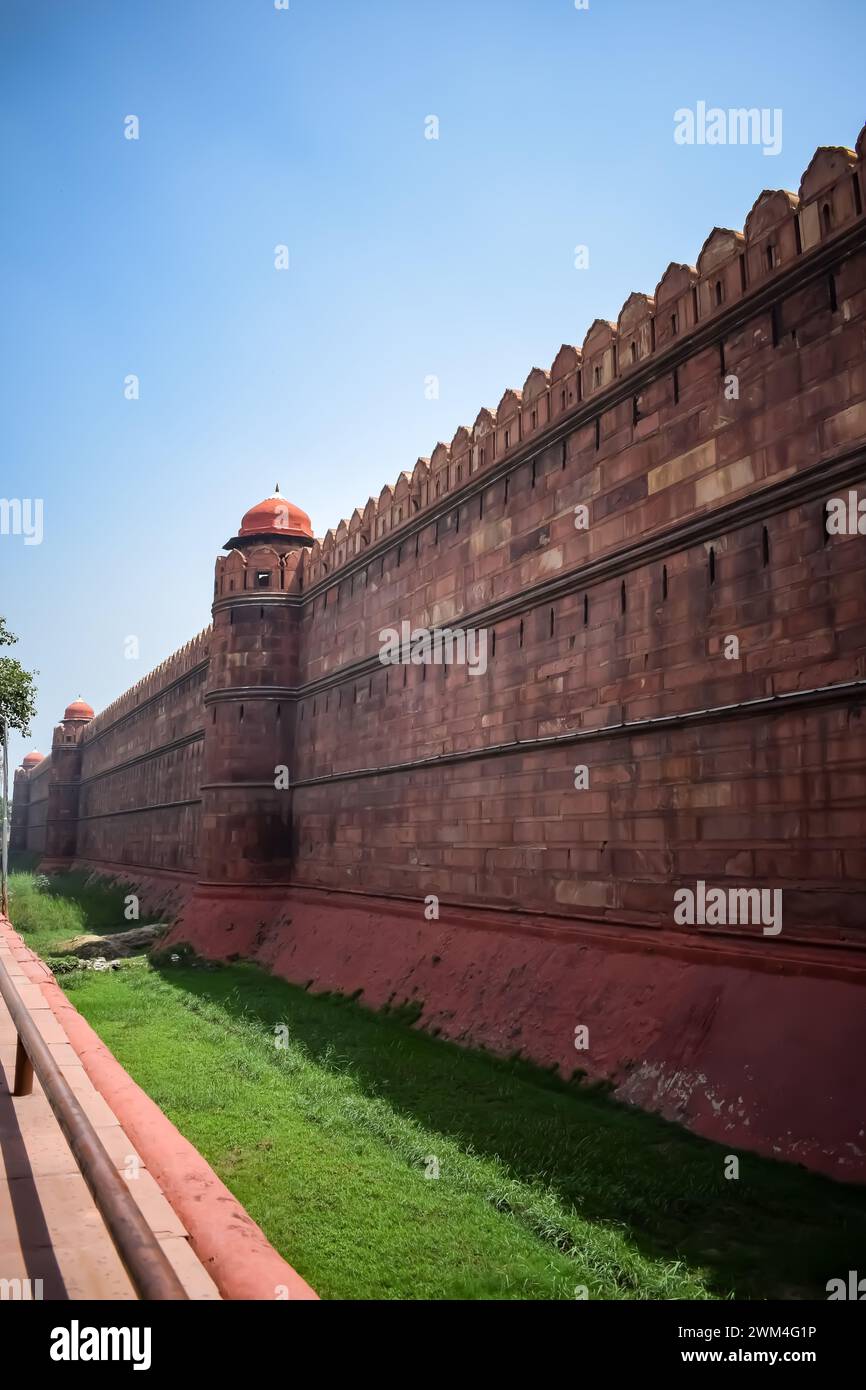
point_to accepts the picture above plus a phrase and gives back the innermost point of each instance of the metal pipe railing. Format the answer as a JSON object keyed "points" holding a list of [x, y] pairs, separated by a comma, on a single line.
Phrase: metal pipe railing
{"points": [[143, 1258]]}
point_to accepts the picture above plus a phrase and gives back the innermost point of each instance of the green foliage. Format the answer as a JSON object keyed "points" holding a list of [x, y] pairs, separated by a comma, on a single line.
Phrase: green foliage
{"points": [[17, 688], [50, 911]]}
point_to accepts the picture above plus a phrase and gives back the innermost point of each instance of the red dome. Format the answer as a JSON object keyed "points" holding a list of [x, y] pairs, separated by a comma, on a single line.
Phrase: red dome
{"points": [[32, 760], [276, 517], [79, 709]]}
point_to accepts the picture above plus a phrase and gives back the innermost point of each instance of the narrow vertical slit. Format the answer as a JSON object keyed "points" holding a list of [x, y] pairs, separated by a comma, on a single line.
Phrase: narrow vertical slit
{"points": [[765, 545]]}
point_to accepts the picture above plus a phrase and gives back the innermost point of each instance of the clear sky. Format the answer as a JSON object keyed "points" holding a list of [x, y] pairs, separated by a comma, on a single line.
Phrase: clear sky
{"points": [[409, 257]]}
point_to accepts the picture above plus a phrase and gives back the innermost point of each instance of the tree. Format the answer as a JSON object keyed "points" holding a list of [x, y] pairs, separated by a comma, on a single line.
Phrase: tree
{"points": [[17, 708], [17, 688]]}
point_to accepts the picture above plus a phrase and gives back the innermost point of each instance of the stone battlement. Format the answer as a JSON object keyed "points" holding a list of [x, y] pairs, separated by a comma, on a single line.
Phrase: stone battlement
{"points": [[173, 668], [732, 266]]}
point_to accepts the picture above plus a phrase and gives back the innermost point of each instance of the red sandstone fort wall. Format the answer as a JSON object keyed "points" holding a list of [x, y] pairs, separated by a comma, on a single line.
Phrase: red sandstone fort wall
{"points": [[37, 810], [706, 521], [704, 433], [606, 643], [140, 795]]}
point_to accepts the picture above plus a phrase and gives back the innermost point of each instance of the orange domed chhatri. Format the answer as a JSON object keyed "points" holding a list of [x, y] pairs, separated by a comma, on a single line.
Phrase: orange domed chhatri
{"points": [[32, 760], [79, 709], [273, 519]]}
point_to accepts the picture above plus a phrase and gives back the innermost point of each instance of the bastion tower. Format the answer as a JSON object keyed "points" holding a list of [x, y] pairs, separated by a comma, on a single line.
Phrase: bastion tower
{"points": [[21, 801], [64, 780], [249, 701]]}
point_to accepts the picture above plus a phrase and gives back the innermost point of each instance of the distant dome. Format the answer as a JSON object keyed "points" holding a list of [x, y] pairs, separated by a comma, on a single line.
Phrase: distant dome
{"points": [[79, 709], [32, 760], [276, 517]]}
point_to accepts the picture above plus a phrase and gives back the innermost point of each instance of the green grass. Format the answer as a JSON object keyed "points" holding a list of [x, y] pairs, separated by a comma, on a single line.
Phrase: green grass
{"points": [[543, 1186], [52, 911]]}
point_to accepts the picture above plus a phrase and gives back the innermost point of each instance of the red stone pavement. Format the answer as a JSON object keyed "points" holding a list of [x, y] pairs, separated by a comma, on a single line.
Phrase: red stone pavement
{"points": [[50, 1228]]}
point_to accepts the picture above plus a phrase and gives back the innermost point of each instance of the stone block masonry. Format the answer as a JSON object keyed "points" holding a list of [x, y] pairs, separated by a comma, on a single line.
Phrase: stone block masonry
{"points": [[672, 692]]}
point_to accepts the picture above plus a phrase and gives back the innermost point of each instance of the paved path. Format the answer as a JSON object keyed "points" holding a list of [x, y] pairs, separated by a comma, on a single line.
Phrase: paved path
{"points": [[50, 1228]]}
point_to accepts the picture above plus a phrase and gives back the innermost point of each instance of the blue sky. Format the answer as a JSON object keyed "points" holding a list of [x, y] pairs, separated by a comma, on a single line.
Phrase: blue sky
{"points": [[409, 257]]}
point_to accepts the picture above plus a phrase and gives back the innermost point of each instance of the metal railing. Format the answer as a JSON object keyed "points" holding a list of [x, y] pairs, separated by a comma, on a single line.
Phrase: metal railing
{"points": [[143, 1258]]}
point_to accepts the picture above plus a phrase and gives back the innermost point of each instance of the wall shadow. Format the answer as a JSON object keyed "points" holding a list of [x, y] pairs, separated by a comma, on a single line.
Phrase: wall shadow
{"points": [[776, 1232]]}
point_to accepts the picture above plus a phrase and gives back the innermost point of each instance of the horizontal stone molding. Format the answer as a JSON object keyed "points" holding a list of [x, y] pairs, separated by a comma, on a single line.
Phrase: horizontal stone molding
{"points": [[142, 810], [113, 867], [146, 703], [241, 786], [766, 705], [259, 598], [249, 692], [195, 737], [810, 485]]}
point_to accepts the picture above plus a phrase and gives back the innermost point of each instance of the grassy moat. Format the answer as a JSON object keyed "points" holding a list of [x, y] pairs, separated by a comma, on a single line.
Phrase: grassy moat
{"points": [[332, 1141]]}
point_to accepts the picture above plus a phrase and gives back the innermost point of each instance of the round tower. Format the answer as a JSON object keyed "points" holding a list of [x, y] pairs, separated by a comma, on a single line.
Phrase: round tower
{"points": [[64, 778], [249, 701], [21, 801]]}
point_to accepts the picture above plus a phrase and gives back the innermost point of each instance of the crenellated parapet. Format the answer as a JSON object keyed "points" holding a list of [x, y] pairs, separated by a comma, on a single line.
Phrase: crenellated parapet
{"points": [[171, 669], [780, 229]]}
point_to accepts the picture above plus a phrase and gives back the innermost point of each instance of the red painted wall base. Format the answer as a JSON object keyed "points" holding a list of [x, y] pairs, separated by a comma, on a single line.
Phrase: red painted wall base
{"points": [[756, 1047]]}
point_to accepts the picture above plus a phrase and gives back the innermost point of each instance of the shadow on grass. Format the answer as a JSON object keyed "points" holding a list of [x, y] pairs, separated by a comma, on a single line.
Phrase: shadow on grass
{"points": [[775, 1232]]}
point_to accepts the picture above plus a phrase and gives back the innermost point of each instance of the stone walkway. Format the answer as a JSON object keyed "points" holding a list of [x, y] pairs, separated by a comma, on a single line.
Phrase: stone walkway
{"points": [[50, 1228]]}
